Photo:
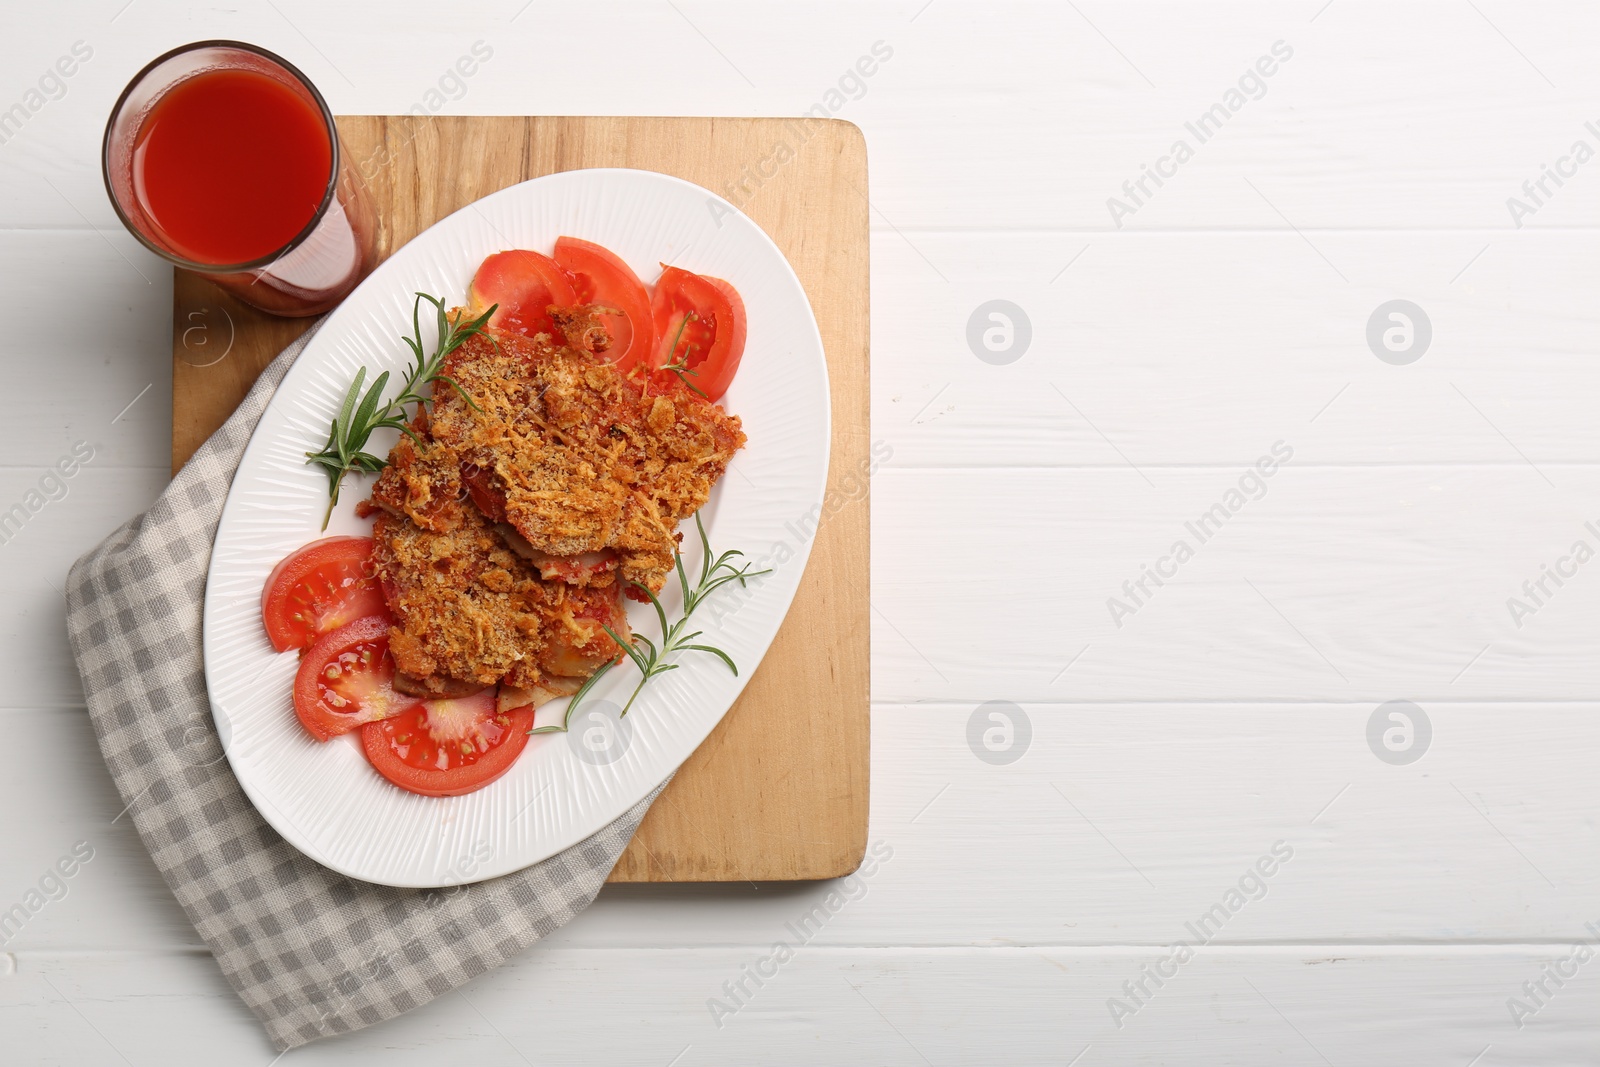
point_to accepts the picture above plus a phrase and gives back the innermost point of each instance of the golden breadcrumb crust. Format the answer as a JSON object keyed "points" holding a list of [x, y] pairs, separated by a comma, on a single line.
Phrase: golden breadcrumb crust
{"points": [[577, 457], [558, 460]]}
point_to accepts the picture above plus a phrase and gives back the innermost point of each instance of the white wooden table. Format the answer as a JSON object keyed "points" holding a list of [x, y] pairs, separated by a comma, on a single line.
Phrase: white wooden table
{"points": [[1228, 712]]}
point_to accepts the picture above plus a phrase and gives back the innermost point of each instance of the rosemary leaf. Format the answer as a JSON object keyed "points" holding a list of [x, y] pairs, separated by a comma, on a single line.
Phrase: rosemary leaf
{"points": [[652, 659], [360, 414]]}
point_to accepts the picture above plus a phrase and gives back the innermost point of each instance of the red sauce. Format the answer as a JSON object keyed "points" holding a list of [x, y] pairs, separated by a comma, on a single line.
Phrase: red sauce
{"points": [[230, 165]]}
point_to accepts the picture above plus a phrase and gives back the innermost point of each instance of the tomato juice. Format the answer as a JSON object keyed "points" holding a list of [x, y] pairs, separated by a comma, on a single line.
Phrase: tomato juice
{"points": [[230, 165], [224, 159]]}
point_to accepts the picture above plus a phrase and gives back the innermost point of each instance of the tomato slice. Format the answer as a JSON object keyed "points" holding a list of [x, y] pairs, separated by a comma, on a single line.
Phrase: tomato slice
{"points": [[600, 277], [346, 680], [444, 748], [319, 588], [525, 284], [700, 324]]}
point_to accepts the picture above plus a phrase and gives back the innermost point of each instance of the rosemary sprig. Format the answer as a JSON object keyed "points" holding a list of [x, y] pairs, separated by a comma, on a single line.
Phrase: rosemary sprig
{"points": [[361, 414], [652, 658], [682, 369]]}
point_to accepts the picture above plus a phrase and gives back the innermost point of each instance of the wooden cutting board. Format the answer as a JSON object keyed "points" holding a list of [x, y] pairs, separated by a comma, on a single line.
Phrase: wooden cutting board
{"points": [[779, 789]]}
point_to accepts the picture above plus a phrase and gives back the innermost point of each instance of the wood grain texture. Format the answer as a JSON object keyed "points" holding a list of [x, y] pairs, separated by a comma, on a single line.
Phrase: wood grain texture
{"points": [[779, 789]]}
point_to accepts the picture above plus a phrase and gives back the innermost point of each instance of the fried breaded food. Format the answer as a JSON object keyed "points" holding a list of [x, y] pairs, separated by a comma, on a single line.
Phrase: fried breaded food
{"points": [[503, 528], [468, 609], [422, 484], [577, 457], [465, 606]]}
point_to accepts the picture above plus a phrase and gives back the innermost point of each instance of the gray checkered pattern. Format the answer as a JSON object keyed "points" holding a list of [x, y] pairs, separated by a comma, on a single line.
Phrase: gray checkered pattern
{"points": [[311, 952]]}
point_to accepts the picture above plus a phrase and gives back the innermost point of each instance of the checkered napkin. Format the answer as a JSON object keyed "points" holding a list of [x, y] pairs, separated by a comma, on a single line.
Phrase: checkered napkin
{"points": [[311, 952]]}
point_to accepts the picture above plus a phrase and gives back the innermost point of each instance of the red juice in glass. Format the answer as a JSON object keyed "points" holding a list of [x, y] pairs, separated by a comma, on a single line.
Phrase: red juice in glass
{"points": [[223, 159]]}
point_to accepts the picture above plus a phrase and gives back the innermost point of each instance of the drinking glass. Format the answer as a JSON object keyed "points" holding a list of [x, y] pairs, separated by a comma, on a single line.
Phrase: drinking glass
{"points": [[317, 267]]}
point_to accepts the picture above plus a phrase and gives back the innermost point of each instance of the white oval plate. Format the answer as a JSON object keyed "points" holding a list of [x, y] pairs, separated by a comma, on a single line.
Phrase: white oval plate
{"points": [[324, 798]]}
